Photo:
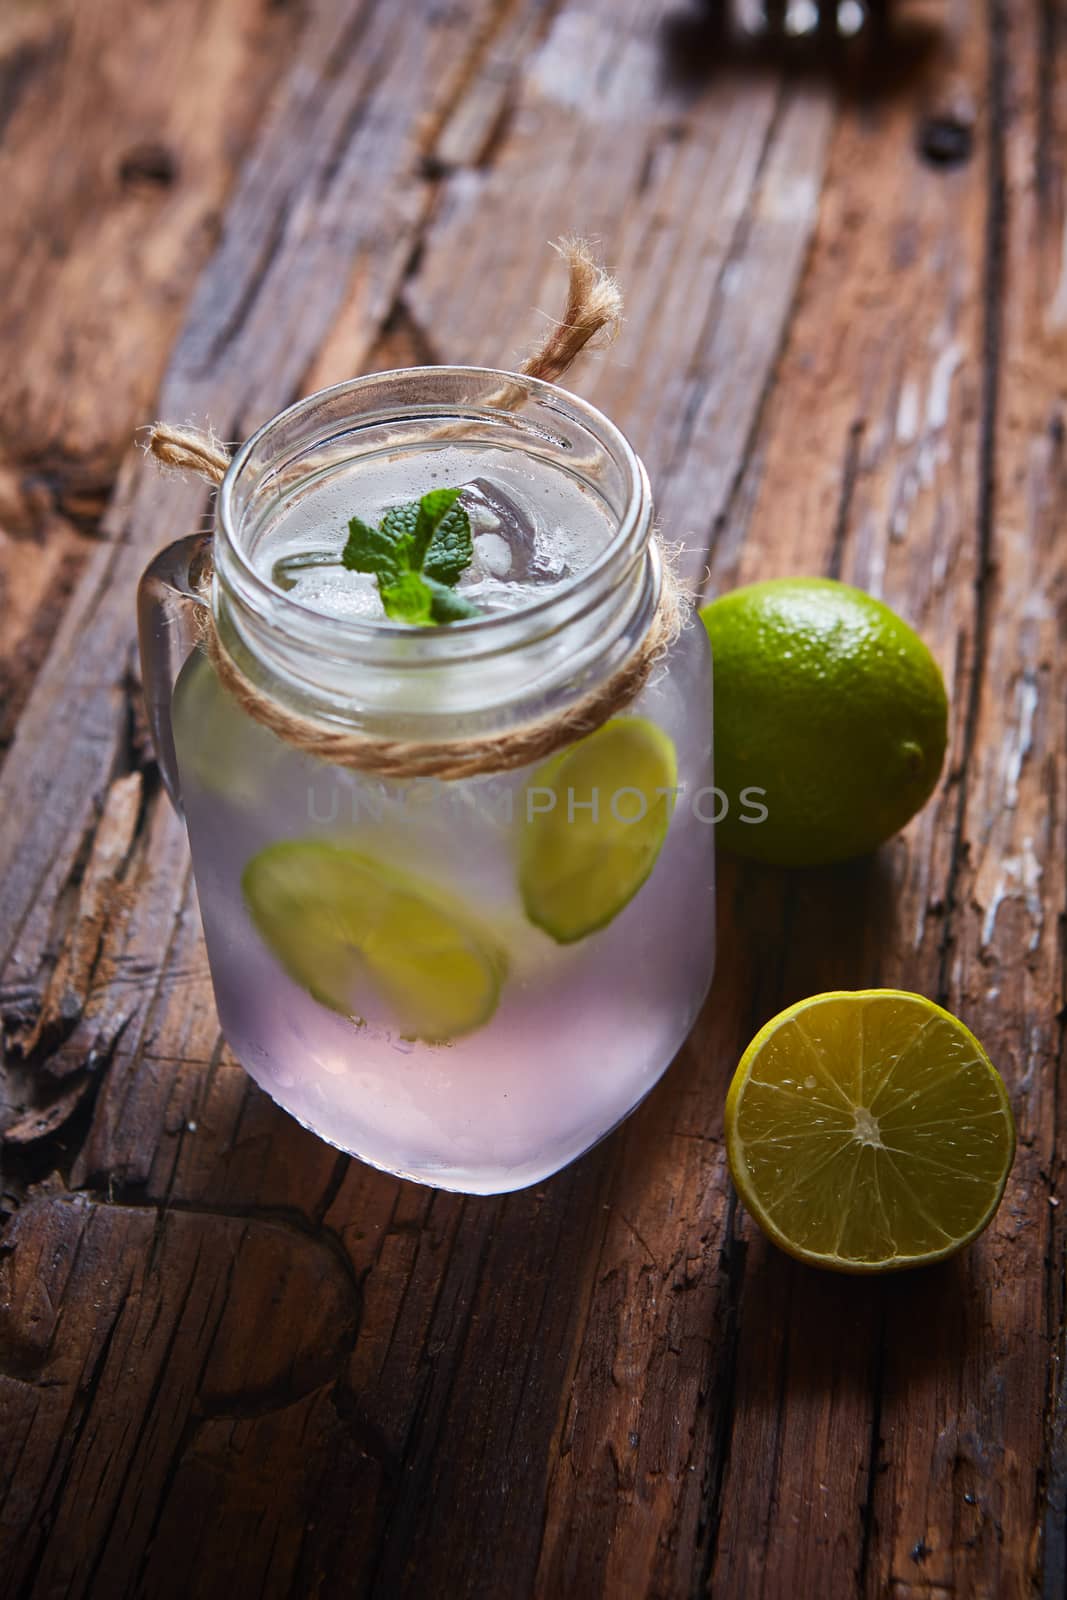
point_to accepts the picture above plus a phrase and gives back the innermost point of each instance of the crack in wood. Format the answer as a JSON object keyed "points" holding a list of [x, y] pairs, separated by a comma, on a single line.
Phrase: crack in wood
{"points": [[1045, 166], [849, 473], [30, 58], [153, 1396], [1050, 1498], [992, 311], [234, 324], [721, 1382], [44, 1520], [874, 1460]]}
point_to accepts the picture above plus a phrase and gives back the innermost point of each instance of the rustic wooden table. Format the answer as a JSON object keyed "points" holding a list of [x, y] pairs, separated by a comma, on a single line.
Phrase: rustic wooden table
{"points": [[236, 1363]]}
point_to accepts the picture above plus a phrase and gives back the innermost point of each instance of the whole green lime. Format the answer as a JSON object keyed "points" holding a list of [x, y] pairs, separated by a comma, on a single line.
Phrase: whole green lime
{"points": [[830, 720]]}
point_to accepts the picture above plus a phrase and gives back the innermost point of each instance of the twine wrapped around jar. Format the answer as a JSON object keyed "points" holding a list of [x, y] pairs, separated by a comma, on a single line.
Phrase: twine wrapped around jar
{"points": [[594, 306]]}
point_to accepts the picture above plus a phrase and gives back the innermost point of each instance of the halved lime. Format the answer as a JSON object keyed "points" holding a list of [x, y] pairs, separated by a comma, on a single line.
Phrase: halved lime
{"points": [[868, 1131], [594, 820], [354, 932]]}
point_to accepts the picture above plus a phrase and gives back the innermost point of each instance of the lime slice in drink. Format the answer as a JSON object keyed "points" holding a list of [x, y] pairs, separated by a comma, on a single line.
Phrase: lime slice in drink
{"points": [[351, 931], [594, 820], [220, 749], [869, 1131]]}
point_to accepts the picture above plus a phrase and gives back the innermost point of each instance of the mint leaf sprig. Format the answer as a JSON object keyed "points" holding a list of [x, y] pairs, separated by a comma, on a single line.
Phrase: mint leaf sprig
{"points": [[417, 553]]}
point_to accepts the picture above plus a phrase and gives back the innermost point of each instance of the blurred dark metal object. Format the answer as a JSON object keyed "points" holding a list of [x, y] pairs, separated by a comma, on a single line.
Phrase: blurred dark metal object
{"points": [[821, 22]]}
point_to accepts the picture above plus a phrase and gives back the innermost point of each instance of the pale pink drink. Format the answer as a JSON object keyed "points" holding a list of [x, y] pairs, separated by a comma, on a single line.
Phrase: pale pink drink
{"points": [[578, 1032]]}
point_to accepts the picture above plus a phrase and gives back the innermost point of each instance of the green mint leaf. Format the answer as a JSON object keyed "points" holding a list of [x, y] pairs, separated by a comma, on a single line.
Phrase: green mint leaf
{"points": [[417, 554], [451, 549], [399, 523], [433, 508], [407, 599], [371, 550], [446, 605]]}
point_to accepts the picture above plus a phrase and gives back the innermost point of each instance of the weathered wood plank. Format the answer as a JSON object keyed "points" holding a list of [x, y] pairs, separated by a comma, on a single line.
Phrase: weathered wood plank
{"points": [[947, 1369], [122, 127], [978, 1420], [245, 1316]]}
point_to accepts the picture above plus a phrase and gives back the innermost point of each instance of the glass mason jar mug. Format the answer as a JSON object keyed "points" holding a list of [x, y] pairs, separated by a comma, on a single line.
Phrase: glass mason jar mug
{"points": [[465, 980]]}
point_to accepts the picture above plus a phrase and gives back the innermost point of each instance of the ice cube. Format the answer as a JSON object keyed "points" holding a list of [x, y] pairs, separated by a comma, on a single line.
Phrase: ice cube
{"points": [[483, 518], [551, 551], [555, 556], [492, 510], [500, 594], [537, 555], [495, 516], [492, 556]]}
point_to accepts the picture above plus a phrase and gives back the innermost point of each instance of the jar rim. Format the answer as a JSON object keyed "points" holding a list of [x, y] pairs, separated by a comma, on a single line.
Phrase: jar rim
{"points": [[478, 636]]}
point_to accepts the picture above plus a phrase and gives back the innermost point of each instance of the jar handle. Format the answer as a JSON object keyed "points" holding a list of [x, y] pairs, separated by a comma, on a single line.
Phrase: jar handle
{"points": [[170, 608]]}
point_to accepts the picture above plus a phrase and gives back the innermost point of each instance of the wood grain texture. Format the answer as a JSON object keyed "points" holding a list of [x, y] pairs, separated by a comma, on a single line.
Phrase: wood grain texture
{"points": [[231, 1360], [121, 128]]}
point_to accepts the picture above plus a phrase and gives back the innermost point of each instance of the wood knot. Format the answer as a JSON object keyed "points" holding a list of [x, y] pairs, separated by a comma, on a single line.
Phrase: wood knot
{"points": [[945, 140], [150, 164]]}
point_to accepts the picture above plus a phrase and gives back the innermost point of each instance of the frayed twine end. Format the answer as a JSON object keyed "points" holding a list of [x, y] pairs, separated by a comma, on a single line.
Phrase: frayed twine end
{"points": [[594, 306], [188, 450]]}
